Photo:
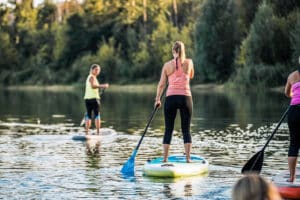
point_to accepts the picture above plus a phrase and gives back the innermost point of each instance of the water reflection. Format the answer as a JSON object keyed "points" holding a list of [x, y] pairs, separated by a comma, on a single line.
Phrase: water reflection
{"points": [[129, 111], [181, 187], [93, 147]]}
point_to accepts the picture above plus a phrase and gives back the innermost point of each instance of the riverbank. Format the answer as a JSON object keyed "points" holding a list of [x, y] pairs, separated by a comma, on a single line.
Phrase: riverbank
{"points": [[55, 88], [130, 88]]}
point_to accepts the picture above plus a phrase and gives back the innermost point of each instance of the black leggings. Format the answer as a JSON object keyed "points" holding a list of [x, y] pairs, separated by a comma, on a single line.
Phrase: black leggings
{"points": [[185, 106], [294, 127], [92, 105]]}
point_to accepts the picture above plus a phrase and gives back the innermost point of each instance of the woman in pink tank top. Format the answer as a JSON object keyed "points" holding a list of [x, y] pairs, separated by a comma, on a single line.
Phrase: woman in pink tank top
{"points": [[177, 73], [292, 90]]}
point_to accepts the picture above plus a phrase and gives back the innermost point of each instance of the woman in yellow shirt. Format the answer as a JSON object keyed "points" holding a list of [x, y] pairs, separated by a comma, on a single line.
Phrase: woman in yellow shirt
{"points": [[92, 98]]}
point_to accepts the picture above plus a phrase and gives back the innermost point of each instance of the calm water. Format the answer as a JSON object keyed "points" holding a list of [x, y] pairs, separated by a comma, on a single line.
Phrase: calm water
{"points": [[39, 160]]}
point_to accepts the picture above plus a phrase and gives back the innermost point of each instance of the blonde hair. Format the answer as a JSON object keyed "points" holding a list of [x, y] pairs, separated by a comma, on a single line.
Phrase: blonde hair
{"points": [[251, 187], [179, 48], [93, 66]]}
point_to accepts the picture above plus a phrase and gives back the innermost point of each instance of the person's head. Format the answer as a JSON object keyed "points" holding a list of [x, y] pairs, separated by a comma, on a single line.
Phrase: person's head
{"points": [[254, 187], [178, 50], [95, 69]]}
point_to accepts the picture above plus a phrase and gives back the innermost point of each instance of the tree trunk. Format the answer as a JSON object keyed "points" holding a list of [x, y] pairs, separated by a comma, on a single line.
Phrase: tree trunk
{"points": [[175, 13], [145, 16]]}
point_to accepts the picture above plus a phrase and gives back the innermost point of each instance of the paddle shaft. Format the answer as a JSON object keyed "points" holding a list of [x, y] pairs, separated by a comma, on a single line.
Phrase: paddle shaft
{"points": [[149, 121], [255, 162], [278, 125], [128, 167]]}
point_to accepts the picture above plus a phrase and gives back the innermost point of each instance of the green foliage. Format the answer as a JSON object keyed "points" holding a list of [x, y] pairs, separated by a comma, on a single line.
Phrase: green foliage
{"points": [[216, 40], [260, 75], [81, 66], [259, 44], [25, 15], [46, 15], [296, 43], [283, 7], [109, 59], [76, 39], [265, 53], [9, 59], [140, 61], [247, 10], [59, 37], [130, 39]]}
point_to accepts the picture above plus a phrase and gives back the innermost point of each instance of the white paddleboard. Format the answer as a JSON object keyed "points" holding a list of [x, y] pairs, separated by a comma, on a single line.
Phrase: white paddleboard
{"points": [[176, 167]]}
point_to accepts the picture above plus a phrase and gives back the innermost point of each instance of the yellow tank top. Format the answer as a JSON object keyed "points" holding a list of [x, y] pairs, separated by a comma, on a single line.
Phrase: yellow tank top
{"points": [[91, 93]]}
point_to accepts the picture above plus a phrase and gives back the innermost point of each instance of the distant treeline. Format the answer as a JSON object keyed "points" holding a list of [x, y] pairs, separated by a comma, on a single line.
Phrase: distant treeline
{"points": [[241, 42]]}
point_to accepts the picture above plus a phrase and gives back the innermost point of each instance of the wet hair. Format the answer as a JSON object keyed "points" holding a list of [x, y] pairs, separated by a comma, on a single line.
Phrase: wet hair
{"points": [[251, 187], [179, 48], [93, 66]]}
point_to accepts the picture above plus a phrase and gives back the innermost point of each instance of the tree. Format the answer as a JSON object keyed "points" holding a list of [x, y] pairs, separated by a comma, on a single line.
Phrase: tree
{"points": [[247, 10], [9, 59], [216, 38], [296, 43], [259, 44], [46, 15], [25, 15], [76, 39], [283, 7]]}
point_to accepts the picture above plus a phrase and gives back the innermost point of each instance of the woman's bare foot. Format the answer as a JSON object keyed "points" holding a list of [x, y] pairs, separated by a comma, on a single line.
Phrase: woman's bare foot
{"points": [[188, 160], [291, 179]]}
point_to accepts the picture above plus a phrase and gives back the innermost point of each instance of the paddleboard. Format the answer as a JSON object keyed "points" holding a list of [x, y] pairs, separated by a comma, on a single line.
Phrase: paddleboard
{"points": [[176, 167], [286, 189], [86, 137]]}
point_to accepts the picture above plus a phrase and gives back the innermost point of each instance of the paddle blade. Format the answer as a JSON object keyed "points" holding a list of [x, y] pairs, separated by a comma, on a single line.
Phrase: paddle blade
{"points": [[255, 163], [128, 167], [82, 122]]}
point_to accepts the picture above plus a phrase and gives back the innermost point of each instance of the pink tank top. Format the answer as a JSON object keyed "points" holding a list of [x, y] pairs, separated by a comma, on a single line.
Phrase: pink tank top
{"points": [[179, 82], [295, 94]]}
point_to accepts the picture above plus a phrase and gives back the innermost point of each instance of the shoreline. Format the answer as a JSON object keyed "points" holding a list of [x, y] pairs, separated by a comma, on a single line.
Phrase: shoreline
{"points": [[130, 88]]}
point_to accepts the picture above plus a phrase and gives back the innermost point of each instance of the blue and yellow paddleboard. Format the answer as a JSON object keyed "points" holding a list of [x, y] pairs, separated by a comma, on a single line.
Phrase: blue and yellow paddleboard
{"points": [[176, 167], [86, 137]]}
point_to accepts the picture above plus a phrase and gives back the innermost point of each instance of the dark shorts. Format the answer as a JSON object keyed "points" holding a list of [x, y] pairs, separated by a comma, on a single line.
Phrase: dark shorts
{"points": [[294, 127], [185, 105], [92, 106]]}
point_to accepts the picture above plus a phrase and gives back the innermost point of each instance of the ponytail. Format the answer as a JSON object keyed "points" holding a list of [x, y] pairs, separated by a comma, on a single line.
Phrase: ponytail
{"points": [[179, 48]]}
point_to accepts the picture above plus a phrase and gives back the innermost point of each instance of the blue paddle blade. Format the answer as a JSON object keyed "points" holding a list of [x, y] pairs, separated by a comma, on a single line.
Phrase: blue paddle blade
{"points": [[128, 168]]}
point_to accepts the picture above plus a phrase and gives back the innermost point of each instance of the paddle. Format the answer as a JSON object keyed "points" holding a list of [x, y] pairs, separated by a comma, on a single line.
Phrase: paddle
{"points": [[128, 168], [83, 118], [255, 163]]}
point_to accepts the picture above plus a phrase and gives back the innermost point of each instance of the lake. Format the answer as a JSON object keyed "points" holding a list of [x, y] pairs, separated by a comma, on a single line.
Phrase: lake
{"points": [[39, 160]]}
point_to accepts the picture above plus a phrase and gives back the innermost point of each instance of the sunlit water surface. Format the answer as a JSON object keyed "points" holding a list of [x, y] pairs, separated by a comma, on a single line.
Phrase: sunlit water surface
{"points": [[39, 159]]}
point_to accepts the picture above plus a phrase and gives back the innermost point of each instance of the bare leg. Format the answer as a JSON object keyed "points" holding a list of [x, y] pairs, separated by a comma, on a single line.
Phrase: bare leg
{"points": [[187, 148], [87, 126], [98, 125], [166, 152], [292, 160]]}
